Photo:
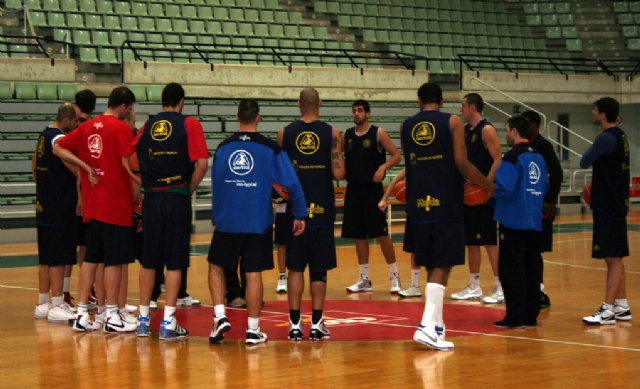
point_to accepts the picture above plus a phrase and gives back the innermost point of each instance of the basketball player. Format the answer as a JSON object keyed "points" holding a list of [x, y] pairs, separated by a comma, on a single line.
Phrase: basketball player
{"points": [[545, 148], [436, 162], [315, 148], [366, 164], [173, 157], [609, 156], [97, 147], [281, 231], [521, 184], [244, 168], [57, 223], [484, 152]]}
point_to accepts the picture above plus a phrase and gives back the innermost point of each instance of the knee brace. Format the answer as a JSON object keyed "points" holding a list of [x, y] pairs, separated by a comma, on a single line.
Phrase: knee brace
{"points": [[318, 276]]}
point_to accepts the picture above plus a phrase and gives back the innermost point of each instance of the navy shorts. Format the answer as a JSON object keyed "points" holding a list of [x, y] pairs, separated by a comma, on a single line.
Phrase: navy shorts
{"points": [[439, 245], [407, 244], [609, 236], [81, 232], [545, 237], [255, 250], [166, 221], [479, 227], [316, 247], [109, 244], [283, 228], [362, 218], [57, 244]]}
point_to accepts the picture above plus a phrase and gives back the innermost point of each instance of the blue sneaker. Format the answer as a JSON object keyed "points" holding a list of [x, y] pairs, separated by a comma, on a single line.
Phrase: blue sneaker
{"points": [[169, 329], [144, 326]]}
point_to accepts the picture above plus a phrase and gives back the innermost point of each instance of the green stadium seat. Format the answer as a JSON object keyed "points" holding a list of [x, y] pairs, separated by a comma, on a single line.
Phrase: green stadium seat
{"points": [[245, 29], [276, 30], [163, 25], [634, 6], [32, 4], [139, 9], [206, 40], [56, 19], [6, 90], [550, 20], [630, 31], [108, 55], [140, 91], [81, 37], [171, 40], [570, 32], [39, 18], [196, 26], [13, 4], [155, 9], [87, 6], [625, 19], [75, 20], [89, 55], [117, 37], [172, 10], [104, 7], [62, 35], [100, 37], [111, 22], [534, 20], [122, 8], [51, 5], [25, 90], [93, 21], [68, 5], [205, 12], [221, 13], [574, 44], [146, 24], [189, 39], [562, 8], [554, 32], [214, 27], [230, 28], [236, 14], [47, 91], [620, 6], [633, 44], [291, 31], [189, 11], [129, 23], [565, 19]]}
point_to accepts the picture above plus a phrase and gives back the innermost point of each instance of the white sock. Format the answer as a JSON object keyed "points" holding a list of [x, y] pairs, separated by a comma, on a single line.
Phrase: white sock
{"points": [[112, 310], [82, 308], [474, 279], [498, 284], [219, 311], [253, 323], [58, 300], [608, 306], [144, 310], [622, 303], [169, 313], [542, 287], [101, 309], [364, 271], [65, 284], [433, 304], [393, 269], [43, 298], [283, 275], [415, 277]]}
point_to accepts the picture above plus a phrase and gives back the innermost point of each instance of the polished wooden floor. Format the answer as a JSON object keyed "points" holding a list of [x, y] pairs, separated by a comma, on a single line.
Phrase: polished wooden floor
{"points": [[560, 353]]}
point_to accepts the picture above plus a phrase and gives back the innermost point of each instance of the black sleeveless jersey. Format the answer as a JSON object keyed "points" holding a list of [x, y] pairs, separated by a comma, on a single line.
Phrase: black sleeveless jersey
{"points": [[362, 155], [308, 145], [611, 174], [163, 152], [56, 194], [434, 185], [477, 153]]}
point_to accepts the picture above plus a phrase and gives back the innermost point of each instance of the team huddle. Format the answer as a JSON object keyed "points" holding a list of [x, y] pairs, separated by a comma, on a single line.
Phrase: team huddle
{"points": [[166, 161]]}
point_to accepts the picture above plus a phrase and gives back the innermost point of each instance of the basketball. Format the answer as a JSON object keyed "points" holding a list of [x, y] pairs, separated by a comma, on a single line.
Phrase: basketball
{"points": [[473, 194], [400, 191], [279, 193], [134, 164], [586, 193]]}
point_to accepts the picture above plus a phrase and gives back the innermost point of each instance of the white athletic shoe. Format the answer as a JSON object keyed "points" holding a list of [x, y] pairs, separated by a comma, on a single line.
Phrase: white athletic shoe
{"points": [[255, 336], [361, 285], [42, 311], [84, 323], [395, 284], [469, 292], [153, 305], [496, 296], [412, 291], [131, 308], [601, 316], [430, 337], [281, 287], [622, 313], [115, 325], [188, 302], [60, 314], [128, 317]]}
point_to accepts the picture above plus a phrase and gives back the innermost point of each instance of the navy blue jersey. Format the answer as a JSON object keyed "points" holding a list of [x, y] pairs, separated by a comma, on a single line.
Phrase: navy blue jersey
{"points": [[610, 190], [163, 152], [244, 168], [521, 183], [477, 153], [309, 147], [362, 155], [56, 193], [434, 185]]}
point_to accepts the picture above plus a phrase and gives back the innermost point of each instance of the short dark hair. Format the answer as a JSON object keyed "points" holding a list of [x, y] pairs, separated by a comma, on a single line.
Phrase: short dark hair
{"points": [[86, 101], [521, 124], [121, 95], [532, 116], [362, 103], [172, 94], [66, 111], [475, 100], [429, 93], [248, 111], [610, 107]]}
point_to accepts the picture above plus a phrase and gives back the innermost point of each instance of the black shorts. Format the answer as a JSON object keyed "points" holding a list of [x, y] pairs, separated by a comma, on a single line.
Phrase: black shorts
{"points": [[283, 228], [407, 244], [255, 250], [57, 244], [362, 218], [439, 245], [166, 221], [81, 232], [479, 227], [109, 244], [545, 237], [316, 247], [609, 236]]}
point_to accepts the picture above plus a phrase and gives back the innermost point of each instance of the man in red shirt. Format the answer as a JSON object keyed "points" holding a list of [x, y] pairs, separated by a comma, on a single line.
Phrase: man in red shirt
{"points": [[97, 147]]}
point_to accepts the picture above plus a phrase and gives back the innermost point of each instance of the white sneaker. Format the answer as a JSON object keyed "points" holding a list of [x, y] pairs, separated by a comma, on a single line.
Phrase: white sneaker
{"points": [[255, 336], [131, 308], [115, 325], [84, 323], [431, 338], [42, 311], [601, 316], [128, 317], [412, 291], [622, 313], [188, 302], [153, 305], [395, 284], [281, 286], [100, 318], [469, 292], [361, 285], [496, 296], [60, 314], [319, 331]]}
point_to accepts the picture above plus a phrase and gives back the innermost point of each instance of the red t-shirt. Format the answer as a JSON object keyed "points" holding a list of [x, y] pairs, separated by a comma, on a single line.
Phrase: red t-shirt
{"points": [[101, 143]]}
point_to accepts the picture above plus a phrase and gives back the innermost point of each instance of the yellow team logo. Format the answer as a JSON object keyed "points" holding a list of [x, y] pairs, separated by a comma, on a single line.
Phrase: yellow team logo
{"points": [[315, 209], [40, 146], [307, 142], [161, 130], [423, 133], [428, 202], [366, 143]]}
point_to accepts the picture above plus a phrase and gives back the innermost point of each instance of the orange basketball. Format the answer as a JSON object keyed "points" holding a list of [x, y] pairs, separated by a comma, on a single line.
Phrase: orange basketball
{"points": [[474, 194], [279, 193], [134, 164], [400, 191], [586, 193]]}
